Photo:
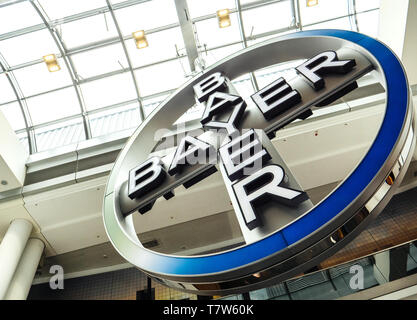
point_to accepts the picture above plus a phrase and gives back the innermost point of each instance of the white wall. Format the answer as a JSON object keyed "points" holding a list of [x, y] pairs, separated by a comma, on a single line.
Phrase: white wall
{"points": [[12, 157]]}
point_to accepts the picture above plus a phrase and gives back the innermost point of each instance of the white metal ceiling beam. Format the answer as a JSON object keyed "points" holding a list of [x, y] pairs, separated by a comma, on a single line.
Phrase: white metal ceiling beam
{"points": [[22, 104], [113, 40], [70, 67], [67, 19], [187, 30], [354, 17], [101, 76], [65, 53], [244, 41], [129, 62]]}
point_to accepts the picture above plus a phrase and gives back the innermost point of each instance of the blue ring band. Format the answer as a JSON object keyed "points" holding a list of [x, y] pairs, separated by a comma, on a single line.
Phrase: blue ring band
{"points": [[396, 110]]}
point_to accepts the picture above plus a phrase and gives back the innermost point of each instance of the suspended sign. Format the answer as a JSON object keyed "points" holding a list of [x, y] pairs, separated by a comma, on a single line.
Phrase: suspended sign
{"points": [[284, 232]]}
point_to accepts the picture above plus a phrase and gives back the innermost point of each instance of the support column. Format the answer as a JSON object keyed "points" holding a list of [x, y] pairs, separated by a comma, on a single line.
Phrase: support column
{"points": [[23, 277], [398, 29], [11, 249], [187, 33]]}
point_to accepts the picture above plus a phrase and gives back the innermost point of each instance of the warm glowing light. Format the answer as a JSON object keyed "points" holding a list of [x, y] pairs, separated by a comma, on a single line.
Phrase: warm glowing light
{"points": [[49, 58], [138, 34], [311, 3], [224, 18], [223, 13], [51, 62], [54, 68], [140, 39], [224, 23], [141, 44]]}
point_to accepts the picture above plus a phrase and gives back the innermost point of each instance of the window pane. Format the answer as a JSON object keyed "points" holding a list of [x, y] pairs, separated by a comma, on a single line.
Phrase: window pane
{"points": [[342, 23], [6, 90], [116, 119], [88, 30], [213, 56], [161, 46], [267, 18], [108, 91], [270, 74], [60, 134], [211, 35], [28, 47], [244, 86], [150, 104], [14, 115], [56, 9], [262, 39], [200, 8], [100, 61], [368, 23], [147, 15], [326, 9], [162, 77], [23, 138], [362, 5], [36, 79], [53, 106], [18, 16]]}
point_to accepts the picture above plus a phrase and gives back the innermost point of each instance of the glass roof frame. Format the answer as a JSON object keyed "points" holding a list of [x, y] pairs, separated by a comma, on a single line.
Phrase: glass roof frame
{"points": [[66, 54], [129, 62], [69, 64], [22, 103]]}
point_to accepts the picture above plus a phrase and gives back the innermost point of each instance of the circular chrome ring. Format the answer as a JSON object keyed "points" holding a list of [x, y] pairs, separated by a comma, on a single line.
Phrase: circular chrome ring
{"points": [[308, 240]]}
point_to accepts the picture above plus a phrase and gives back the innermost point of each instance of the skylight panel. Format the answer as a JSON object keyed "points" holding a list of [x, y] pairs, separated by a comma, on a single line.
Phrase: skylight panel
{"points": [[56, 9], [100, 61], [53, 106], [18, 16], [108, 91]]}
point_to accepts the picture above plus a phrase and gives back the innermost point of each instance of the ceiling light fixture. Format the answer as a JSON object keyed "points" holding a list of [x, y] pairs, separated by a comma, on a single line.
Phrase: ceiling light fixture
{"points": [[224, 18], [311, 3], [51, 62], [140, 39]]}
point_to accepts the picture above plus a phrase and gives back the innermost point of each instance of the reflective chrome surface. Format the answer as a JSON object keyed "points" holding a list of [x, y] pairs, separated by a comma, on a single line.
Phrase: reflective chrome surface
{"points": [[288, 262], [309, 257]]}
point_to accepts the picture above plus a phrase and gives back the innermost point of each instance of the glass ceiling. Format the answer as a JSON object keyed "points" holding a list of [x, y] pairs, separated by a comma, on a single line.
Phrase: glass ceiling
{"points": [[106, 84]]}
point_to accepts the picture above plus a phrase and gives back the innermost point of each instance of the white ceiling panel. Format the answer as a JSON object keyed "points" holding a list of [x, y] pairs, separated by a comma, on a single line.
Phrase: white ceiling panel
{"points": [[64, 205], [76, 234]]}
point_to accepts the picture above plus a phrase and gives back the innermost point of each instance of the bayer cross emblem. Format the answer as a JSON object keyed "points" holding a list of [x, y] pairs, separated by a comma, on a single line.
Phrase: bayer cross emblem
{"points": [[283, 231]]}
